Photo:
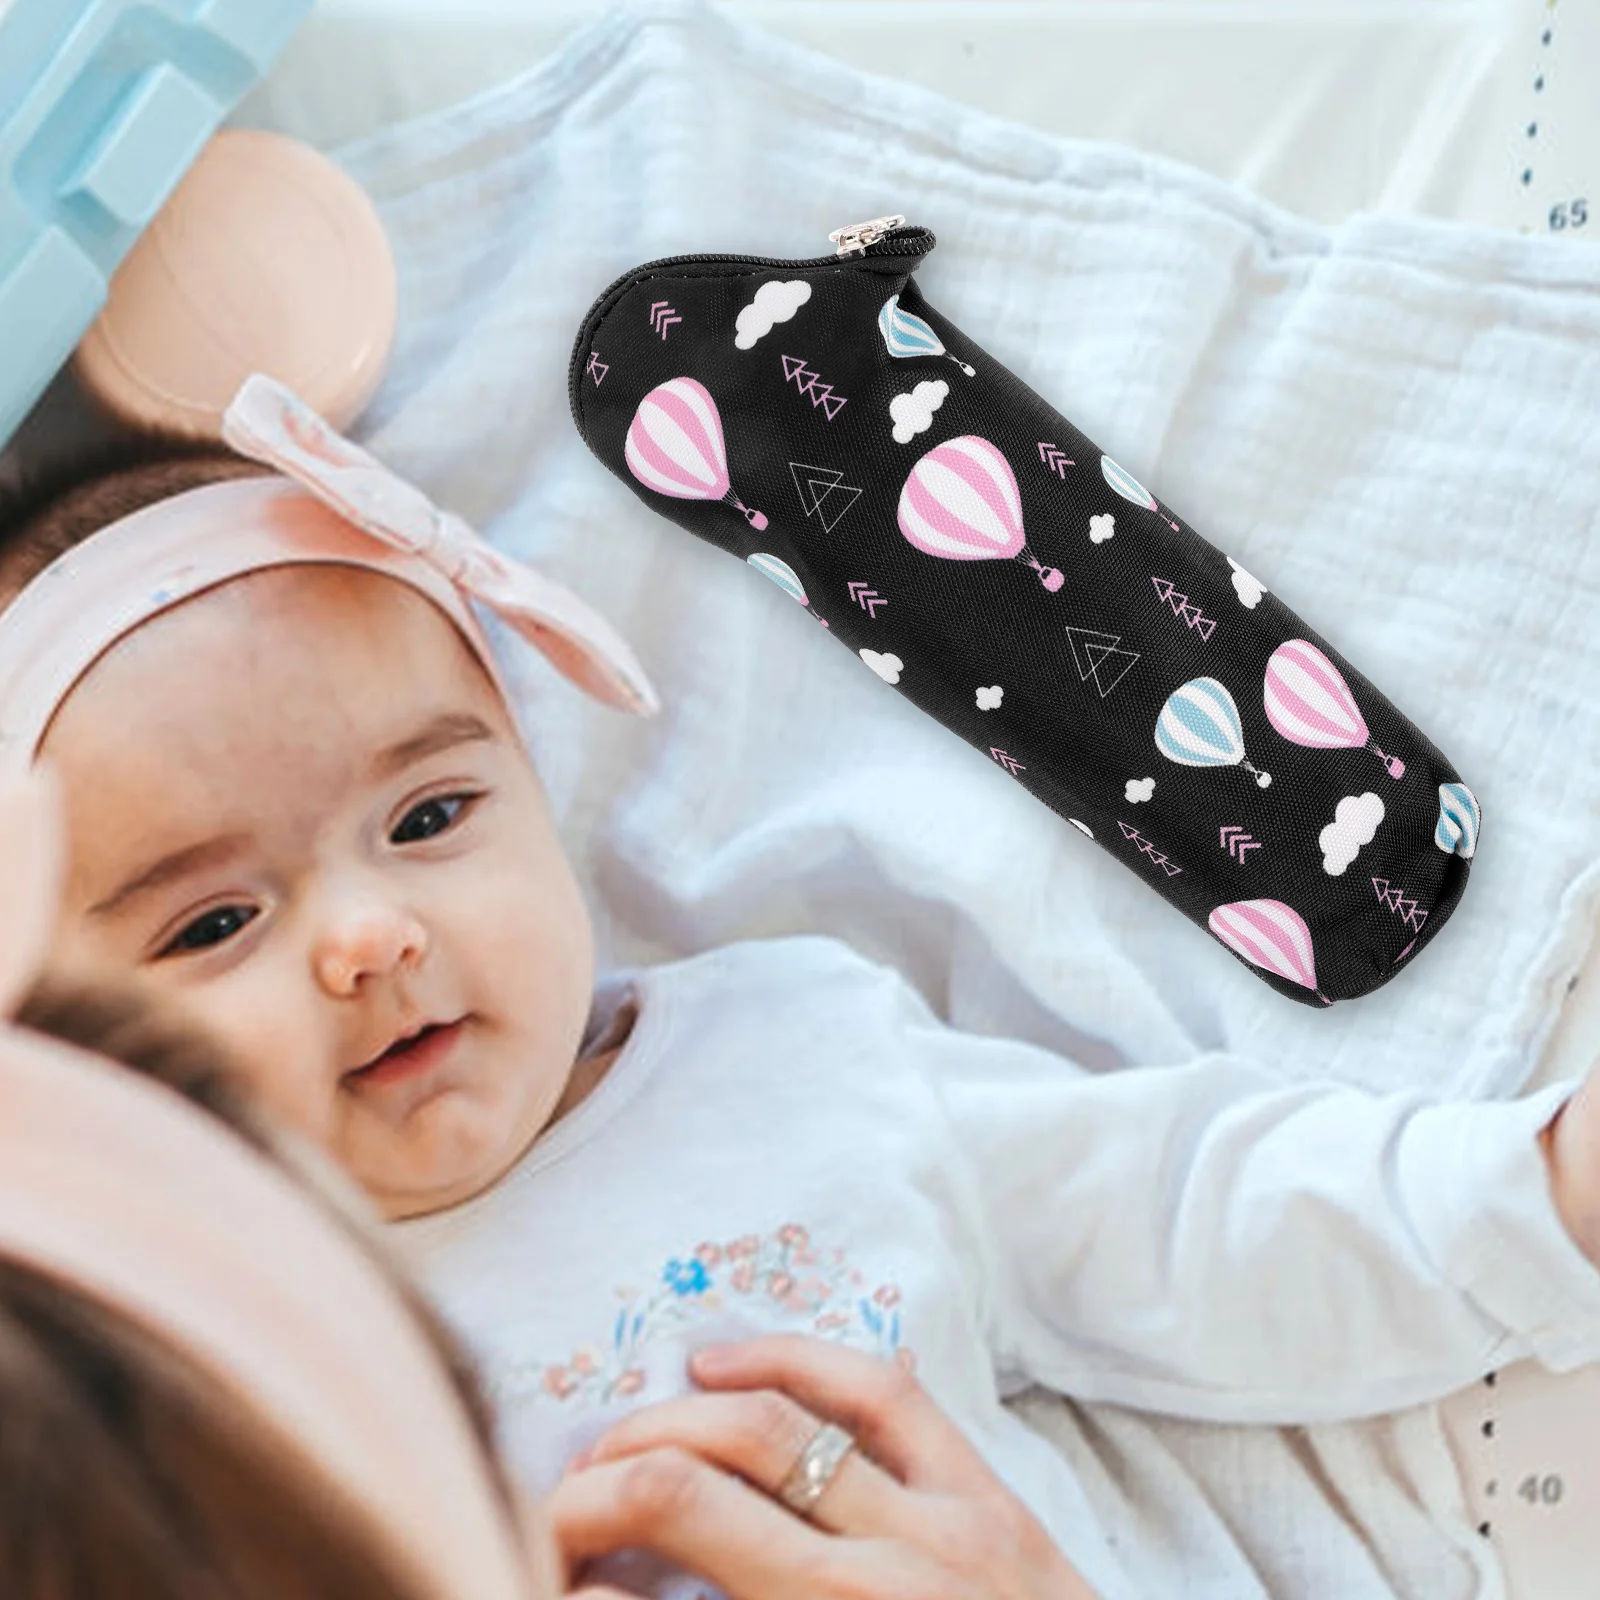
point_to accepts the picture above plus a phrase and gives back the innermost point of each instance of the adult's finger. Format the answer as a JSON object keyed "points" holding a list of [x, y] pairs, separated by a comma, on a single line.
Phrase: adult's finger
{"points": [[681, 1508], [760, 1435], [879, 1402]]}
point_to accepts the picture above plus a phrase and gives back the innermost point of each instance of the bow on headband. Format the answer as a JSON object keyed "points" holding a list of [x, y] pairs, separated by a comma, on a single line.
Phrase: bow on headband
{"points": [[328, 502], [270, 424]]}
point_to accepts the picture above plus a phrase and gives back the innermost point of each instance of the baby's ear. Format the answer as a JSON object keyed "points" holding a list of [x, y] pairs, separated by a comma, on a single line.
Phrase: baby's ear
{"points": [[32, 858]]}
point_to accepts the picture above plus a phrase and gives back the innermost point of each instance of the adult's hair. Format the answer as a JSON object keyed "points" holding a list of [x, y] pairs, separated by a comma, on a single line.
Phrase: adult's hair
{"points": [[129, 1471]]}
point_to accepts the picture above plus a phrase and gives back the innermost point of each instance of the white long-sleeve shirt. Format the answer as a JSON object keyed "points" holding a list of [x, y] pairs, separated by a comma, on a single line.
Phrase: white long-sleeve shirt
{"points": [[791, 1140]]}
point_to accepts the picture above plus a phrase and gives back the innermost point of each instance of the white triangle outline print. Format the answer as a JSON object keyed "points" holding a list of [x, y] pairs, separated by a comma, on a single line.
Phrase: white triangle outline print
{"points": [[1098, 650], [818, 479], [827, 488]]}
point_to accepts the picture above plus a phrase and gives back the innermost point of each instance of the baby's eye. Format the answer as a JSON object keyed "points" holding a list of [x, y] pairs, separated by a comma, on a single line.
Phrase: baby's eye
{"points": [[428, 818], [213, 928]]}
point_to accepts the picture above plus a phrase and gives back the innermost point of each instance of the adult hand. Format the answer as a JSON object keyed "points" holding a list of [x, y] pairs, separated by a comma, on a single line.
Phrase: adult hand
{"points": [[912, 1514]]}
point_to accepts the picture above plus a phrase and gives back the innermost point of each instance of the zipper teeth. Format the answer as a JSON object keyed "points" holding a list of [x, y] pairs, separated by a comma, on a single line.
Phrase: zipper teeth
{"points": [[574, 377]]}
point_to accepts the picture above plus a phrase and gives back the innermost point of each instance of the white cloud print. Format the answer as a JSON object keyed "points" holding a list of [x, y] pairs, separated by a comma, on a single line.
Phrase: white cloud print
{"points": [[989, 699], [887, 667], [1355, 820], [1137, 790], [774, 302], [1102, 527], [913, 413], [1248, 589]]}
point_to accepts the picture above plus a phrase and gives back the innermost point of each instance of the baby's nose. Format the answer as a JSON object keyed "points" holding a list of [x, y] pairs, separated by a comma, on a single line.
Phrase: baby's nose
{"points": [[367, 941]]}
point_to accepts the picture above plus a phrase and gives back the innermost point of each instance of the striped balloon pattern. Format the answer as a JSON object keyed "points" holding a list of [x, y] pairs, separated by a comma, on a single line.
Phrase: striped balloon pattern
{"points": [[960, 503], [1126, 484], [1309, 703], [1272, 936], [1199, 727], [1130, 488], [781, 574], [675, 446], [1459, 817], [906, 335]]}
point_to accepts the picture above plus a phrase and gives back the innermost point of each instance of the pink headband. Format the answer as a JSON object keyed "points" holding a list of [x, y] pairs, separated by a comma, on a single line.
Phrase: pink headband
{"points": [[226, 1261], [341, 506]]}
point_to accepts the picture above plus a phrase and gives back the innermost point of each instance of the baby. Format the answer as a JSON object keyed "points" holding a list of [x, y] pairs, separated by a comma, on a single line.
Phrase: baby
{"points": [[298, 802]]}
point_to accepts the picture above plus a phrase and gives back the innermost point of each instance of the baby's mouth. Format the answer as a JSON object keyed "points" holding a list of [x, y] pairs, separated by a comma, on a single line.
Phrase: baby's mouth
{"points": [[408, 1056]]}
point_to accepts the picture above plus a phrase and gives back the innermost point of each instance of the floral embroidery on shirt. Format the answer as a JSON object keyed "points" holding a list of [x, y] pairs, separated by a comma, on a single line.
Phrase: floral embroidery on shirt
{"points": [[785, 1268]]}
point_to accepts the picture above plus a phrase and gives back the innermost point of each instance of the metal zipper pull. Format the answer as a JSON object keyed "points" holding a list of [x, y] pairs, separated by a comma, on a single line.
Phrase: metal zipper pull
{"points": [[860, 234]]}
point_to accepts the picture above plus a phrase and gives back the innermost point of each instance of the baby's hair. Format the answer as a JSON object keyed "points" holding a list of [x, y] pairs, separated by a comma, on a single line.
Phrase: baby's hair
{"points": [[52, 509]]}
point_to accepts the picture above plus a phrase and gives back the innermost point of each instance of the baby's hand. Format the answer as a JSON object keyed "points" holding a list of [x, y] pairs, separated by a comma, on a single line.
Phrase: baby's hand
{"points": [[1572, 1148]]}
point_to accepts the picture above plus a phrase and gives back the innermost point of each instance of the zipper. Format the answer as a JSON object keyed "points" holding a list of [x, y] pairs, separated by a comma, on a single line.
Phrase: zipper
{"points": [[863, 235], [879, 237]]}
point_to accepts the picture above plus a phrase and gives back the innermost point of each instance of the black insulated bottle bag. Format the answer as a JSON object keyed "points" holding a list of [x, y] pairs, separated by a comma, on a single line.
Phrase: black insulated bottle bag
{"points": [[820, 421]]}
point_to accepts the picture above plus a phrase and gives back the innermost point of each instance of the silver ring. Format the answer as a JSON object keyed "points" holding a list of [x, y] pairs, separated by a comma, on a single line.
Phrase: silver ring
{"points": [[817, 1467]]}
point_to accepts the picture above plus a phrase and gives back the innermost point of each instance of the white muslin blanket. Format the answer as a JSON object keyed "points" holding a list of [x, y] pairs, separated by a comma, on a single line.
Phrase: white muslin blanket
{"points": [[1393, 424]]}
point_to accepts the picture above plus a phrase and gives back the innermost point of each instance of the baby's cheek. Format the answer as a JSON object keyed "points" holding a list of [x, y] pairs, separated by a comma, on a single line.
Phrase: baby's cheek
{"points": [[273, 1045], [525, 915]]}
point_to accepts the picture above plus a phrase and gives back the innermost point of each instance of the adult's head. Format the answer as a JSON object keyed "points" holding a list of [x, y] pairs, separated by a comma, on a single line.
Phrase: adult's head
{"points": [[209, 1385]]}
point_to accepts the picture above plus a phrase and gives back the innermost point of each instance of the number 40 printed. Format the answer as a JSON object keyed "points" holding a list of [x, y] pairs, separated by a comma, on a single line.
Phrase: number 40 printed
{"points": [[1542, 1491]]}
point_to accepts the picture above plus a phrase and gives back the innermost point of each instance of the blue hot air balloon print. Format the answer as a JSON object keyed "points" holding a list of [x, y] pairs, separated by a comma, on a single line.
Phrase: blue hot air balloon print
{"points": [[786, 578], [1459, 817], [1199, 727], [1130, 488], [1126, 484], [781, 574], [906, 335]]}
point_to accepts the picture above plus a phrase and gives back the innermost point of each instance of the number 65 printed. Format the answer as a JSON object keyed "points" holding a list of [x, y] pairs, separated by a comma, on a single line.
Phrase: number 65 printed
{"points": [[1569, 214]]}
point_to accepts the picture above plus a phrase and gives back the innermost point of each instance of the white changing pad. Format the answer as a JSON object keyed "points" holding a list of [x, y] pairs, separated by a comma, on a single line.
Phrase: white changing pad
{"points": [[1325, 106], [1391, 423]]}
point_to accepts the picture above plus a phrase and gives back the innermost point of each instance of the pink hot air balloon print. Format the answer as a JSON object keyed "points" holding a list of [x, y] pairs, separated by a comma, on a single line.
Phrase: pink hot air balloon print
{"points": [[675, 446], [1308, 702], [1272, 936], [960, 503]]}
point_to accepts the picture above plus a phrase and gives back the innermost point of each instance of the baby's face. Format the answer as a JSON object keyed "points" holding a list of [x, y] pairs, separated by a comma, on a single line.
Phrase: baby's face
{"points": [[297, 804]]}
